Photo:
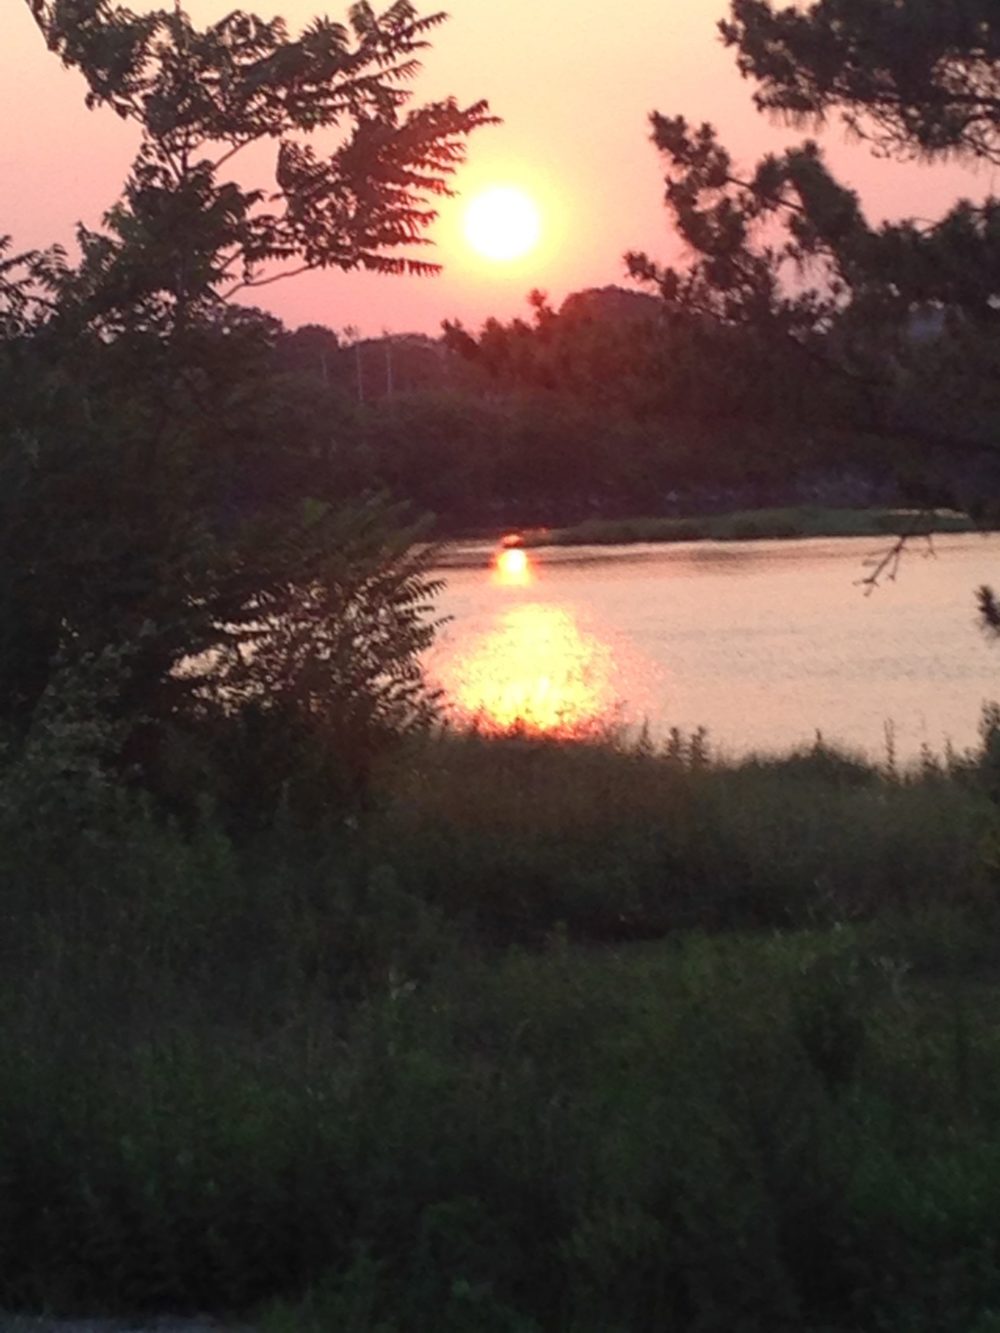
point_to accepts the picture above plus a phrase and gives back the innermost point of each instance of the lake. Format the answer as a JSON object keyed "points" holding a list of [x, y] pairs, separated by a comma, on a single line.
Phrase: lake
{"points": [[764, 643]]}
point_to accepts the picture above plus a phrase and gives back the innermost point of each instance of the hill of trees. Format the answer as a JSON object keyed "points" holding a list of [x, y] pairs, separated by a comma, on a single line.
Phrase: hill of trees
{"points": [[621, 403]]}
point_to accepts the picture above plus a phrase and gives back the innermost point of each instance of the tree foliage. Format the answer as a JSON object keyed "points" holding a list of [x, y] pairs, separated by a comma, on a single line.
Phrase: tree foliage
{"points": [[916, 77], [183, 233], [785, 249], [164, 491], [787, 242]]}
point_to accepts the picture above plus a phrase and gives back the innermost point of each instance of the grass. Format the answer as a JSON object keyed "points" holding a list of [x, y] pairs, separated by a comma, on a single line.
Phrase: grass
{"points": [[754, 524], [570, 1038], [623, 845]]}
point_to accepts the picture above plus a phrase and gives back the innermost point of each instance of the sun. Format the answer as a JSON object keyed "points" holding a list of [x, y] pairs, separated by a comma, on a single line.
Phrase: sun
{"points": [[502, 223]]}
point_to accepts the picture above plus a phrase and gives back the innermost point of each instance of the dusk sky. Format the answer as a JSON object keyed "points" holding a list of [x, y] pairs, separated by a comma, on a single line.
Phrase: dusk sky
{"points": [[574, 83]]}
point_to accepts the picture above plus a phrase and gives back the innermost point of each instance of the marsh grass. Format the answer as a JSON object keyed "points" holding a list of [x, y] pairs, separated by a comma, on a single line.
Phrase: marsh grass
{"points": [[623, 842], [574, 1038], [756, 524]]}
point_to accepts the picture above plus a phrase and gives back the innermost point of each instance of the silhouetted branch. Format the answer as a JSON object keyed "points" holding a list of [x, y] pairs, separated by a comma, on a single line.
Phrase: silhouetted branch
{"points": [[886, 567], [266, 282], [989, 611]]}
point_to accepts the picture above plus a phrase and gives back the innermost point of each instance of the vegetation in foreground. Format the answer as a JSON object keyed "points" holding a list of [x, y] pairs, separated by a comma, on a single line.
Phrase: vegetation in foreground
{"points": [[308, 1014], [555, 1037], [753, 524]]}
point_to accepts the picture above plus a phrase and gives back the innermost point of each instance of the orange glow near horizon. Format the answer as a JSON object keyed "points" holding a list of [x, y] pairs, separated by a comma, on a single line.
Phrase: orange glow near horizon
{"points": [[537, 671], [502, 223], [512, 568]]}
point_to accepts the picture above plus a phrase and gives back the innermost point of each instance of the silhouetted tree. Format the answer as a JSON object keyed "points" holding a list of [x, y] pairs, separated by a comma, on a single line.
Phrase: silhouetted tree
{"points": [[785, 250], [162, 489], [917, 77], [183, 235]]}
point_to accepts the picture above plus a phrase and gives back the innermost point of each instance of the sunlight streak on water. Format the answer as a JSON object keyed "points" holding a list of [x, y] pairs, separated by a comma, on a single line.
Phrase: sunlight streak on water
{"points": [[765, 643], [533, 662], [535, 670]]}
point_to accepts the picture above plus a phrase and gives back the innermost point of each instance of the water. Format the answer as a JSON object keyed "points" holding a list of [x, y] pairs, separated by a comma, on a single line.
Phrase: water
{"points": [[763, 643]]}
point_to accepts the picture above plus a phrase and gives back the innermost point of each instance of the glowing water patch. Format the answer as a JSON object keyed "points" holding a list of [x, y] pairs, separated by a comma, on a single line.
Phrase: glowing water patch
{"points": [[537, 670]]}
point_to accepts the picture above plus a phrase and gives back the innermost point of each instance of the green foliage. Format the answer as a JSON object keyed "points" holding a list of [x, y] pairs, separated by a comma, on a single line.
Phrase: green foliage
{"points": [[228, 571], [913, 77], [293, 1089], [169, 496], [336, 643], [57, 780], [829, 1013], [784, 250], [294, 1018], [523, 834]]}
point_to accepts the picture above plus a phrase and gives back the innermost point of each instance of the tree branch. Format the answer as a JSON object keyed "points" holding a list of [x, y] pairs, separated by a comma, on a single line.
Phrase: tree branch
{"points": [[266, 282], [887, 565]]}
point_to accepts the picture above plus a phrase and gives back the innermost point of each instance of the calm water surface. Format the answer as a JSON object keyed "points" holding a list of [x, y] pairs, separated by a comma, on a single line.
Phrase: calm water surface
{"points": [[763, 643]]}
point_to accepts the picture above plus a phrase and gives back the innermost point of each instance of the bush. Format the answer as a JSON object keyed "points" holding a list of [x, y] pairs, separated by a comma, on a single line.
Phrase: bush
{"points": [[301, 1075]]}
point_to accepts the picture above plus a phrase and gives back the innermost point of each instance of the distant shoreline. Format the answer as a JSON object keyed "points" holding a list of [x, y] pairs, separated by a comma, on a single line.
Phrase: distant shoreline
{"points": [[757, 525], [801, 521]]}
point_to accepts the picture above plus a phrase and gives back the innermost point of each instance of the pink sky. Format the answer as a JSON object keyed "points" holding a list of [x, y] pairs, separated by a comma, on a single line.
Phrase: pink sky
{"points": [[574, 81]]}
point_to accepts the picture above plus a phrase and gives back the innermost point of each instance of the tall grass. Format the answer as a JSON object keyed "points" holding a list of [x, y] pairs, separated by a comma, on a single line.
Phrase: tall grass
{"points": [[524, 833], [559, 1038]]}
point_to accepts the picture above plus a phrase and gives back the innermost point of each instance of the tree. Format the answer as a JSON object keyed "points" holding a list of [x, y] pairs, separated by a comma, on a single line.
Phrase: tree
{"points": [[311, 349], [785, 249], [156, 493], [182, 236], [916, 77]]}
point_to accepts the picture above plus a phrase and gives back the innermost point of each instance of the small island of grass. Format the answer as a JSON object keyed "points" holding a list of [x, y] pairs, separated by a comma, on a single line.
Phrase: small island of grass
{"points": [[756, 524]]}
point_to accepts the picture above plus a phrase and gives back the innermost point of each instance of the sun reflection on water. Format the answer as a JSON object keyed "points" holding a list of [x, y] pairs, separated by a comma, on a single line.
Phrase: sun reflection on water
{"points": [[539, 666], [535, 670], [512, 568]]}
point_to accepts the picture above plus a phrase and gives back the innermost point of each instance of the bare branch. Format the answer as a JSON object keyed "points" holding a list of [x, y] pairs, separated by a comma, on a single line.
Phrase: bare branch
{"points": [[266, 282], [886, 566]]}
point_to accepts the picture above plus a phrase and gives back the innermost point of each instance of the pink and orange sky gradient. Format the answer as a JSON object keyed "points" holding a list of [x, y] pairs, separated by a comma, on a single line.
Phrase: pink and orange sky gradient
{"points": [[574, 82]]}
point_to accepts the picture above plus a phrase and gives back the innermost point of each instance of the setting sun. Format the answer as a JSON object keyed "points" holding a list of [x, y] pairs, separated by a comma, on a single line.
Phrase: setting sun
{"points": [[512, 568], [502, 223]]}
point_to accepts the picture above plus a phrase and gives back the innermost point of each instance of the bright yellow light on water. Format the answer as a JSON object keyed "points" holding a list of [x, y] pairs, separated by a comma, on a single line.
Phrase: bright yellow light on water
{"points": [[536, 670], [512, 568], [502, 223]]}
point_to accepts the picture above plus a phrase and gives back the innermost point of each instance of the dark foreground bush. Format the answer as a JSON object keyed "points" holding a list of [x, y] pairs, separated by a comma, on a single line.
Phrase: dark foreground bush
{"points": [[299, 1079], [780, 1134]]}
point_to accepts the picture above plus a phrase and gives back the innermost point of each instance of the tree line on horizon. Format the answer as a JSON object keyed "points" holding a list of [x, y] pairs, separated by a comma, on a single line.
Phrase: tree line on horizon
{"points": [[620, 402]]}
